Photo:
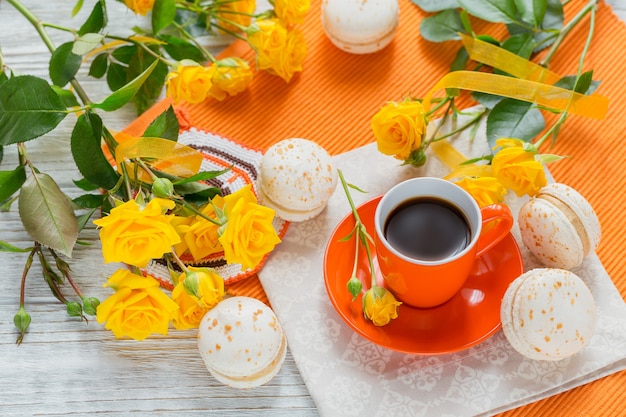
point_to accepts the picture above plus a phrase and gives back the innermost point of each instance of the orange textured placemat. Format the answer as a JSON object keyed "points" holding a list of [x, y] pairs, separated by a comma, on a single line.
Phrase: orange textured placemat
{"points": [[334, 98]]}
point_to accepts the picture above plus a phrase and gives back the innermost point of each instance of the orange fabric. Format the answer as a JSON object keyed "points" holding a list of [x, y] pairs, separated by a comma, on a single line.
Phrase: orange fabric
{"points": [[334, 98]]}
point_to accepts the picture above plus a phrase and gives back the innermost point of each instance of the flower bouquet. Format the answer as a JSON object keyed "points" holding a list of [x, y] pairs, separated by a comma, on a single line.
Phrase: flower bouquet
{"points": [[156, 199]]}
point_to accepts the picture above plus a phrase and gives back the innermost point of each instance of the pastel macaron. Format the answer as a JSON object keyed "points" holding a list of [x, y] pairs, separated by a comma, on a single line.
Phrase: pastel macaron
{"points": [[360, 26], [296, 179], [241, 342], [548, 314], [559, 226]]}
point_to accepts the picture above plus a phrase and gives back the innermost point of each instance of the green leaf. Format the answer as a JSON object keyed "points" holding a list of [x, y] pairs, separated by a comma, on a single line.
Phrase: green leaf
{"points": [[486, 100], [29, 108], [180, 49], [201, 176], [86, 43], [96, 20], [443, 26], [124, 53], [513, 119], [164, 126], [11, 181], [89, 201], [85, 185], [460, 60], [124, 94], [548, 158], [116, 76], [521, 45], [531, 11], [47, 214], [99, 66], [163, 14], [7, 247], [87, 152], [435, 5], [84, 218], [64, 64], [151, 88], [585, 84], [77, 7], [497, 11], [67, 96]]}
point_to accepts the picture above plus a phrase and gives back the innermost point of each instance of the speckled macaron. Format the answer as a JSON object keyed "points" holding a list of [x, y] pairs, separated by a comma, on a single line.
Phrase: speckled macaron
{"points": [[360, 26], [241, 342], [559, 226], [548, 314], [296, 179]]}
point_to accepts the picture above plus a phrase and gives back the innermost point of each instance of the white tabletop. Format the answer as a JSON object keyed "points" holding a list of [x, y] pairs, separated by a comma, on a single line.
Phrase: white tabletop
{"points": [[69, 367]]}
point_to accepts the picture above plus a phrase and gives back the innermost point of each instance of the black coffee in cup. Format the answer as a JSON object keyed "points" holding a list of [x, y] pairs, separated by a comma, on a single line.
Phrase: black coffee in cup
{"points": [[427, 228]]}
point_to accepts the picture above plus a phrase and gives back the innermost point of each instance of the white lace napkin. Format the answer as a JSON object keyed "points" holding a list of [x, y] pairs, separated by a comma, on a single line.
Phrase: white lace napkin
{"points": [[350, 376]]}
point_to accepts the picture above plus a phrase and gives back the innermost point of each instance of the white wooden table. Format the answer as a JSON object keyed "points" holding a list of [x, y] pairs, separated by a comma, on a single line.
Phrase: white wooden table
{"points": [[69, 367]]}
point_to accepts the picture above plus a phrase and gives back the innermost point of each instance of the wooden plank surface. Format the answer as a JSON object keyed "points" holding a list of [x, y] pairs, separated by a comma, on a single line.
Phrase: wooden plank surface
{"points": [[68, 367]]}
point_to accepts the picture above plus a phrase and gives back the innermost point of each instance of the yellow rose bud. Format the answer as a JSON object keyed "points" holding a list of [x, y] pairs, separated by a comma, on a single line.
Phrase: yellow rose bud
{"points": [[292, 11], [516, 167], [137, 309], [280, 51], [399, 128], [209, 288], [380, 306], [135, 235], [141, 7], [249, 234], [190, 83], [485, 190], [231, 77]]}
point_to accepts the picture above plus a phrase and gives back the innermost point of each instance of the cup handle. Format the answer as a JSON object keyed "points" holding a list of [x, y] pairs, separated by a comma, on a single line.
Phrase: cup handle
{"points": [[497, 223]]}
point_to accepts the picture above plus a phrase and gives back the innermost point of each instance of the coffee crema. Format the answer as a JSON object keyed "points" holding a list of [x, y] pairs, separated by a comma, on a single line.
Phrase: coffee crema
{"points": [[427, 228]]}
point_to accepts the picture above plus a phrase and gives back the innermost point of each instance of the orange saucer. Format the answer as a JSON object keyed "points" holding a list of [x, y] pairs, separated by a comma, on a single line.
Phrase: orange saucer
{"points": [[469, 318]]}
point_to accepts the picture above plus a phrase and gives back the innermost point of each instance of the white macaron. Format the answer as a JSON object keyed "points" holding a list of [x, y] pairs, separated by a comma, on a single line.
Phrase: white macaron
{"points": [[548, 314], [360, 26], [559, 226], [241, 342], [296, 179]]}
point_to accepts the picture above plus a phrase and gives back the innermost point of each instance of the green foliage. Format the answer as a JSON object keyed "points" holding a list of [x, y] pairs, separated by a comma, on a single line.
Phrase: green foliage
{"points": [[29, 108], [513, 119], [163, 14], [86, 142], [96, 21], [11, 182], [164, 126], [64, 64], [47, 214]]}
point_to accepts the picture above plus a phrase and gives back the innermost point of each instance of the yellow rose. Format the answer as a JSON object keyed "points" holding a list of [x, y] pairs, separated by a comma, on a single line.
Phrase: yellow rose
{"points": [[141, 7], [209, 289], [399, 128], [291, 11], [231, 77], [137, 309], [380, 306], [190, 83], [134, 235], [279, 51], [485, 190], [516, 167], [230, 14], [248, 234], [201, 235]]}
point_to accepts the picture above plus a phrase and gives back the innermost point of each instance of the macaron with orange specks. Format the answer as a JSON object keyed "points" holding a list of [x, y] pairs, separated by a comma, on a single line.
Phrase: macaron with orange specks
{"points": [[548, 314], [559, 226], [360, 26], [241, 342], [296, 179]]}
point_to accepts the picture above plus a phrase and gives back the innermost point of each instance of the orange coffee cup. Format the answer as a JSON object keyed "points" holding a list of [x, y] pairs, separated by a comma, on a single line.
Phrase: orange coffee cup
{"points": [[438, 231]]}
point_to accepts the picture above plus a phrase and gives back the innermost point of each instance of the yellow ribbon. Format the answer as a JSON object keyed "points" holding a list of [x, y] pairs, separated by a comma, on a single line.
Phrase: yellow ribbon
{"points": [[164, 155], [533, 84]]}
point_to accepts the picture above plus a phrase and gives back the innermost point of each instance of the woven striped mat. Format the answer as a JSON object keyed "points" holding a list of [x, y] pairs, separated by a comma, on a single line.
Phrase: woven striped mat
{"points": [[334, 98]]}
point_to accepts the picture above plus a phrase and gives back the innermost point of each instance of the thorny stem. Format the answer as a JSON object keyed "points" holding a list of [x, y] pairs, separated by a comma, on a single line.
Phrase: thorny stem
{"points": [[41, 30], [566, 30], [563, 116], [361, 232]]}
